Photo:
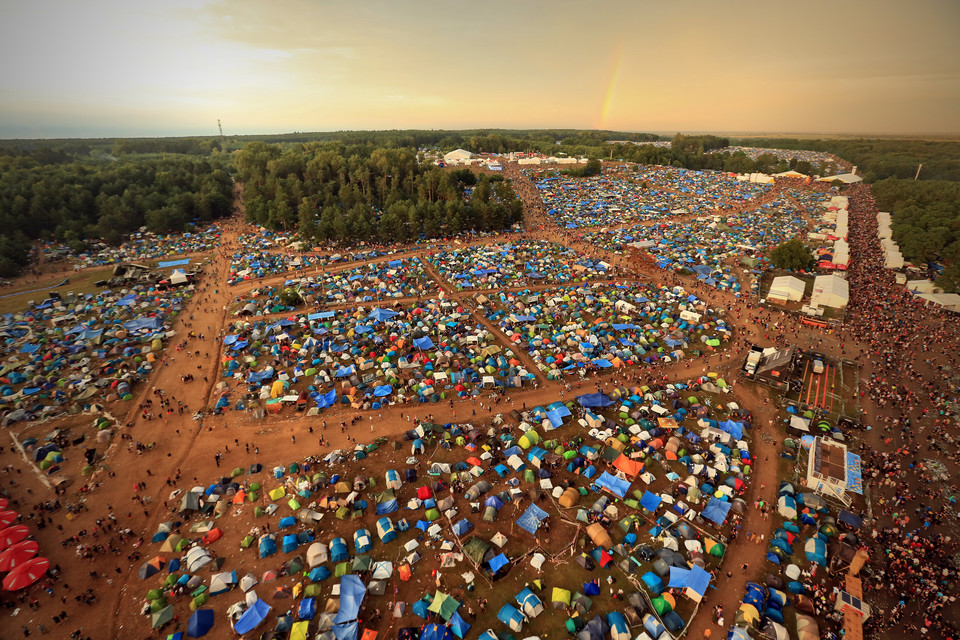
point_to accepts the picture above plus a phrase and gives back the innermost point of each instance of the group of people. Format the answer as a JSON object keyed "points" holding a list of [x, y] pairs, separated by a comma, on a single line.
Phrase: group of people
{"points": [[909, 350]]}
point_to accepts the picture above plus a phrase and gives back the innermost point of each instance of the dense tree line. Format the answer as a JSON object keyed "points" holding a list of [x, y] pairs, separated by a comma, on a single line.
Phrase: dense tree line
{"points": [[877, 159], [330, 192], [80, 199], [926, 222], [699, 143]]}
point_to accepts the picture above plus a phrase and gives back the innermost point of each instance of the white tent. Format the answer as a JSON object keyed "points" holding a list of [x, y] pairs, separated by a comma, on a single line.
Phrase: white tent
{"points": [[830, 291], [947, 301], [786, 288], [457, 156], [845, 178]]}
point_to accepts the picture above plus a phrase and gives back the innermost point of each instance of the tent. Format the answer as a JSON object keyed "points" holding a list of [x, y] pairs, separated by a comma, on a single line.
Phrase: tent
{"points": [[830, 291], [510, 616], [252, 617], [200, 623], [529, 603], [787, 288], [352, 592]]}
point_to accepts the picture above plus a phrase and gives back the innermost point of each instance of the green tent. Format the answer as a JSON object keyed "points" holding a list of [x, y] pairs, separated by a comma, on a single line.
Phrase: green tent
{"points": [[342, 569], [361, 563], [432, 514], [661, 606], [162, 617], [444, 605]]}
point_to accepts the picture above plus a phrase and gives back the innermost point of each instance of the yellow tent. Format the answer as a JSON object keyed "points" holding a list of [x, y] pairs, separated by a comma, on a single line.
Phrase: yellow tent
{"points": [[299, 630], [277, 493]]}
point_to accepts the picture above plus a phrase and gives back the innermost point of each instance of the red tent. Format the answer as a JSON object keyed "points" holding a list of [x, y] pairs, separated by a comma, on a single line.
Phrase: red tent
{"points": [[26, 574], [18, 554], [12, 535], [212, 536], [7, 518]]}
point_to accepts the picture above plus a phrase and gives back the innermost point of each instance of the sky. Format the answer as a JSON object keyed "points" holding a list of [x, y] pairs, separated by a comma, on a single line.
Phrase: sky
{"points": [[174, 67]]}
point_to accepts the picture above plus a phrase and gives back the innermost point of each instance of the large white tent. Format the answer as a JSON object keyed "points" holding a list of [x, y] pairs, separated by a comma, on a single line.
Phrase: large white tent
{"points": [[830, 291], [786, 288], [457, 156], [846, 178]]}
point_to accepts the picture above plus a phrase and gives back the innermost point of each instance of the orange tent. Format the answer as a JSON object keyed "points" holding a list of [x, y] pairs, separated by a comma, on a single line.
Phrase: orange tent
{"points": [[369, 634], [239, 497], [405, 572], [629, 466]]}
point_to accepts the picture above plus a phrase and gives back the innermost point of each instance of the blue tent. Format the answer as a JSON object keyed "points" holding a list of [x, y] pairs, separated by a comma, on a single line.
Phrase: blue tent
{"points": [[268, 547], [352, 592], [435, 631], [421, 608], [653, 582], [510, 616], [462, 527], [289, 521], [618, 625], [338, 550], [290, 543], [318, 573], [613, 484], [308, 607], [716, 511], [252, 617], [458, 625], [200, 623], [385, 529]]}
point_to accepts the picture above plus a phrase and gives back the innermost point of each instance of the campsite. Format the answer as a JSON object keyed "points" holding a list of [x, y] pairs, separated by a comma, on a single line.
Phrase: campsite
{"points": [[531, 434]]}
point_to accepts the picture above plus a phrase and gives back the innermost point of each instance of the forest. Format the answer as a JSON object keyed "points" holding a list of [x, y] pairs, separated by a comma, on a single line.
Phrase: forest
{"points": [[877, 159], [330, 192], [926, 222], [48, 192]]}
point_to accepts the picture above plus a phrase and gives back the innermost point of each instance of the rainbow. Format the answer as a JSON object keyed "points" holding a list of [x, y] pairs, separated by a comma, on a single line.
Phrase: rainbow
{"points": [[612, 79]]}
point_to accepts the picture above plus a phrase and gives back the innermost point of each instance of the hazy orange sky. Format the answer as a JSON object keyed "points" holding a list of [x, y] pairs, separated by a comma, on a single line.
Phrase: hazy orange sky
{"points": [[173, 67]]}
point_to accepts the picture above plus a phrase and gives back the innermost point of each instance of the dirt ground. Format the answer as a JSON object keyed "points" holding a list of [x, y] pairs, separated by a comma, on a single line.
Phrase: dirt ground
{"points": [[182, 452]]}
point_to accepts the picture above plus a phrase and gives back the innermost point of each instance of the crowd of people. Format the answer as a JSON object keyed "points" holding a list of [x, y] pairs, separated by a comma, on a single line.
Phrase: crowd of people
{"points": [[910, 350]]}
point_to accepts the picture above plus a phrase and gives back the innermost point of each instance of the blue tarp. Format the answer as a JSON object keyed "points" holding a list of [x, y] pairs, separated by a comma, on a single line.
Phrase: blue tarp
{"points": [[252, 617], [173, 263], [650, 501], [716, 511], [696, 579], [382, 314], [352, 592], [613, 484], [142, 323], [423, 343], [594, 400], [531, 518], [498, 562]]}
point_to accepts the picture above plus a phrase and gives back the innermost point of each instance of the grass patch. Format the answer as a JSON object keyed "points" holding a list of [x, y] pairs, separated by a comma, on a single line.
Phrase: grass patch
{"points": [[16, 298]]}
